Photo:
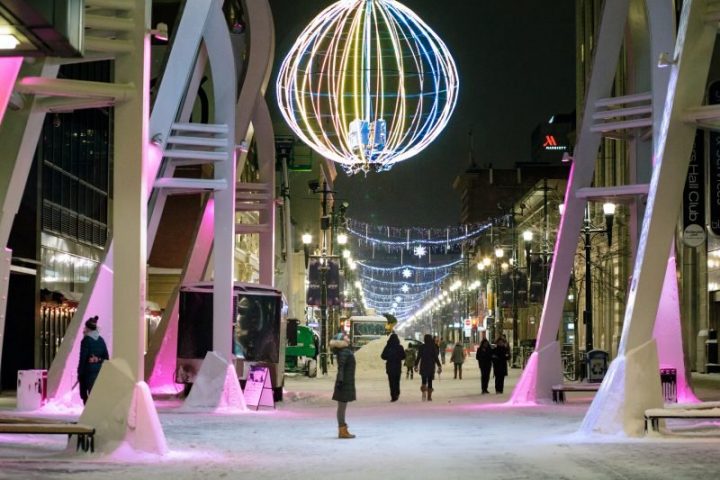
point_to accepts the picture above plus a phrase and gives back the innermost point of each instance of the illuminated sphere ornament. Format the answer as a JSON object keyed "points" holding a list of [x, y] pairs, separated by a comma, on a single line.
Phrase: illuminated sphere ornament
{"points": [[367, 84]]}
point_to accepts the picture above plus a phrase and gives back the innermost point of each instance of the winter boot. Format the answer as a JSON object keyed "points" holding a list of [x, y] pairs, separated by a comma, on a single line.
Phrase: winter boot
{"points": [[429, 394], [423, 389], [343, 432]]}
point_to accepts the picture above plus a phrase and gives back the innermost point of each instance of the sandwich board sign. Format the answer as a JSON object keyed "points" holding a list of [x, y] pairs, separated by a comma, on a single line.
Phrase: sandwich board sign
{"points": [[258, 388]]}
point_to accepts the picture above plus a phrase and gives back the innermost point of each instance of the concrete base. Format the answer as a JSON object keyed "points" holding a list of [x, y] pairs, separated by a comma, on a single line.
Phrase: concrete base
{"points": [[543, 370], [631, 385], [123, 413], [216, 387]]}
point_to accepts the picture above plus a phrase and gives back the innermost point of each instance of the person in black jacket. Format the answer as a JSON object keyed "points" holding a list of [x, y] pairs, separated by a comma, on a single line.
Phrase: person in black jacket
{"points": [[484, 358], [393, 354], [344, 391], [500, 357], [93, 352], [427, 359]]}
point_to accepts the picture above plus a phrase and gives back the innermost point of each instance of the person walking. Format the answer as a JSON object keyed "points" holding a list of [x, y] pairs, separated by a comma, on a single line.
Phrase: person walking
{"points": [[442, 346], [426, 360], [458, 358], [393, 354], [410, 362], [500, 356], [93, 352], [484, 358], [344, 391]]}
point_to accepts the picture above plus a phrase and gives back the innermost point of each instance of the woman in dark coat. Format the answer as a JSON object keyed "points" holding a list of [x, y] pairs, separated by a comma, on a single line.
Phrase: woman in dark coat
{"points": [[393, 354], [500, 357], [345, 381], [427, 359], [93, 352], [484, 358]]}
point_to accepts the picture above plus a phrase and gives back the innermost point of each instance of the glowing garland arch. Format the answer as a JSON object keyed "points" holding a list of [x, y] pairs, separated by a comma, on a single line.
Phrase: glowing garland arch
{"points": [[367, 84], [410, 267]]}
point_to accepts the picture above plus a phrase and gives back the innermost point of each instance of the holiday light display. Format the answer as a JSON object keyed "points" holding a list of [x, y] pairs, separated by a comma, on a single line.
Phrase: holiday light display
{"points": [[367, 84]]}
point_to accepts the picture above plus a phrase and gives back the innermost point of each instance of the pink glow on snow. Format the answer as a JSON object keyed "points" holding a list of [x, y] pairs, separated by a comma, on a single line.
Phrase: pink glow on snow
{"points": [[100, 304], [162, 378], [524, 393], [9, 69], [668, 334]]}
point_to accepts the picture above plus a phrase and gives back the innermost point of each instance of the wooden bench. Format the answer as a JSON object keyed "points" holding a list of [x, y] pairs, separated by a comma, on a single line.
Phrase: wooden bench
{"points": [[558, 391], [689, 411], [85, 433]]}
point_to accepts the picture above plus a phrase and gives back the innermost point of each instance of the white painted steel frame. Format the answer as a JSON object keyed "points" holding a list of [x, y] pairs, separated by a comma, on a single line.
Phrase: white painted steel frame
{"points": [[544, 365], [624, 394]]}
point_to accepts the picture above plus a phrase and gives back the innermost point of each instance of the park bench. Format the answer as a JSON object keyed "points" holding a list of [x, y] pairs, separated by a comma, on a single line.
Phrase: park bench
{"points": [[558, 391], [85, 433], [688, 411]]}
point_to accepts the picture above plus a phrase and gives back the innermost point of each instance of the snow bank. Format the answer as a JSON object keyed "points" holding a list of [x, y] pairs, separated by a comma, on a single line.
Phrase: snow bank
{"points": [[369, 363]]}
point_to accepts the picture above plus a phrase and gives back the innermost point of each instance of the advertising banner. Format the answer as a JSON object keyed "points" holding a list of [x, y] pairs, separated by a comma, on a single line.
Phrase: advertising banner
{"points": [[714, 167], [694, 195]]}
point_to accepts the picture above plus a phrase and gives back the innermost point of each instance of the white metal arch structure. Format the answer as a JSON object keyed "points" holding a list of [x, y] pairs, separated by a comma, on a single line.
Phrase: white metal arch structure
{"points": [[161, 356], [179, 143], [605, 114], [628, 389]]}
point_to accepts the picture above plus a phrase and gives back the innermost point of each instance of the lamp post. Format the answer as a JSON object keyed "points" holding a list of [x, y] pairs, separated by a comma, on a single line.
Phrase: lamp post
{"points": [[588, 230], [499, 253]]}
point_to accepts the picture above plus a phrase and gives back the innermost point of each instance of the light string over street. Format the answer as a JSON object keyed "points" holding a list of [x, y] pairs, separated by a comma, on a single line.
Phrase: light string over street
{"points": [[417, 236]]}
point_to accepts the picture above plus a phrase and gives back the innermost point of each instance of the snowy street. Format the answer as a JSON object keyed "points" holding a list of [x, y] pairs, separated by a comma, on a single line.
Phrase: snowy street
{"points": [[461, 434]]}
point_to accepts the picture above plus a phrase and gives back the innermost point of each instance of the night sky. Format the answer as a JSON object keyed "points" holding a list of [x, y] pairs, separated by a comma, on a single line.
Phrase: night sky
{"points": [[516, 64]]}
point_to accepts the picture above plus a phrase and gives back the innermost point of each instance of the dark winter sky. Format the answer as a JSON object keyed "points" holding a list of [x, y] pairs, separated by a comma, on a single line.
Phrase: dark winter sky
{"points": [[516, 64]]}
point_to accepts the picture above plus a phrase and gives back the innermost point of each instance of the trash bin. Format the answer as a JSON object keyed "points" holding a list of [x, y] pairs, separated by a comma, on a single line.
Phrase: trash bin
{"points": [[668, 381], [712, 365], [597, 365], [31, 389]]}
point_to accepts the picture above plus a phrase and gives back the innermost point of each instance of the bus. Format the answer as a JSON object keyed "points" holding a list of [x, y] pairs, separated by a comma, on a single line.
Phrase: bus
{"points": [[365, 329]]}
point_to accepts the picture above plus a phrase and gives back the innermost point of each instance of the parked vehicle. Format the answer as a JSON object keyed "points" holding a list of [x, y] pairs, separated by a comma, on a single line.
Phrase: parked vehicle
{"points": [[302, 348], [258, 335]]}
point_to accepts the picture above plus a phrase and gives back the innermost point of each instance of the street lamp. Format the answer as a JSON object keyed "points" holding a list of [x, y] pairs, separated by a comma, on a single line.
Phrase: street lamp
{"points": [[589, 230], [306, 240]]}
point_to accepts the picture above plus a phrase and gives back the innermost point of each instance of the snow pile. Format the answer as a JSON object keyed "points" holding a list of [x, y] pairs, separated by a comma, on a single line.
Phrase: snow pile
{"points": [[369, 363]]}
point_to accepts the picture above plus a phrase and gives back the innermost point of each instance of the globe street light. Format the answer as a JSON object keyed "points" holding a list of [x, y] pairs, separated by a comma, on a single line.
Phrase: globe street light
{"points": [[306, 240]]}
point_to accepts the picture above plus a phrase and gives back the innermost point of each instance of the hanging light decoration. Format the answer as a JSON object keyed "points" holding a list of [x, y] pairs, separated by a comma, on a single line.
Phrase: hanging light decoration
{"points": [[367, 84]]}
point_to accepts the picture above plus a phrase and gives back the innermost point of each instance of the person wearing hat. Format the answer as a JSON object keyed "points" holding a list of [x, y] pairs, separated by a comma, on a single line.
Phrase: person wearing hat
{"points": [[93, 352], [344, 391]]}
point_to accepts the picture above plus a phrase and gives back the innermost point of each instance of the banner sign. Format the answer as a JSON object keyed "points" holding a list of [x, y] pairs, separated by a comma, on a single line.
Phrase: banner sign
{"points": [[258, 388], [694, 195], [315, 279], [714, 167]]}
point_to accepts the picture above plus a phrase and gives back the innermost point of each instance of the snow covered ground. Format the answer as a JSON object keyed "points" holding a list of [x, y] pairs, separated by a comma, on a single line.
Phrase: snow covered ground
{"points": [[461, 434]]}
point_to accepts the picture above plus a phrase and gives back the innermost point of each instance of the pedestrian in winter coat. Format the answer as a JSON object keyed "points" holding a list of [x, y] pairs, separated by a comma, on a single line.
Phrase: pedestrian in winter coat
{"points": [[500, 357], [427, 359], [345, 381], [458, 358], [93, 352], [442, 346], [409, 361], [393, 354], [484, 358]]}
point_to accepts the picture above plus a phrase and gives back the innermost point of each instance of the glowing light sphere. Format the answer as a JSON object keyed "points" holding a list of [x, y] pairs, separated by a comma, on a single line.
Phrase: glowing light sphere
{"points": [[367, 84]]}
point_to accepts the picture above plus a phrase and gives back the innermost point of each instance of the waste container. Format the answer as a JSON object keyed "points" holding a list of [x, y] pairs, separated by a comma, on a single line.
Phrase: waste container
{"points": [[31, 389], [712, 365], [668, 381], [597, 365]]}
